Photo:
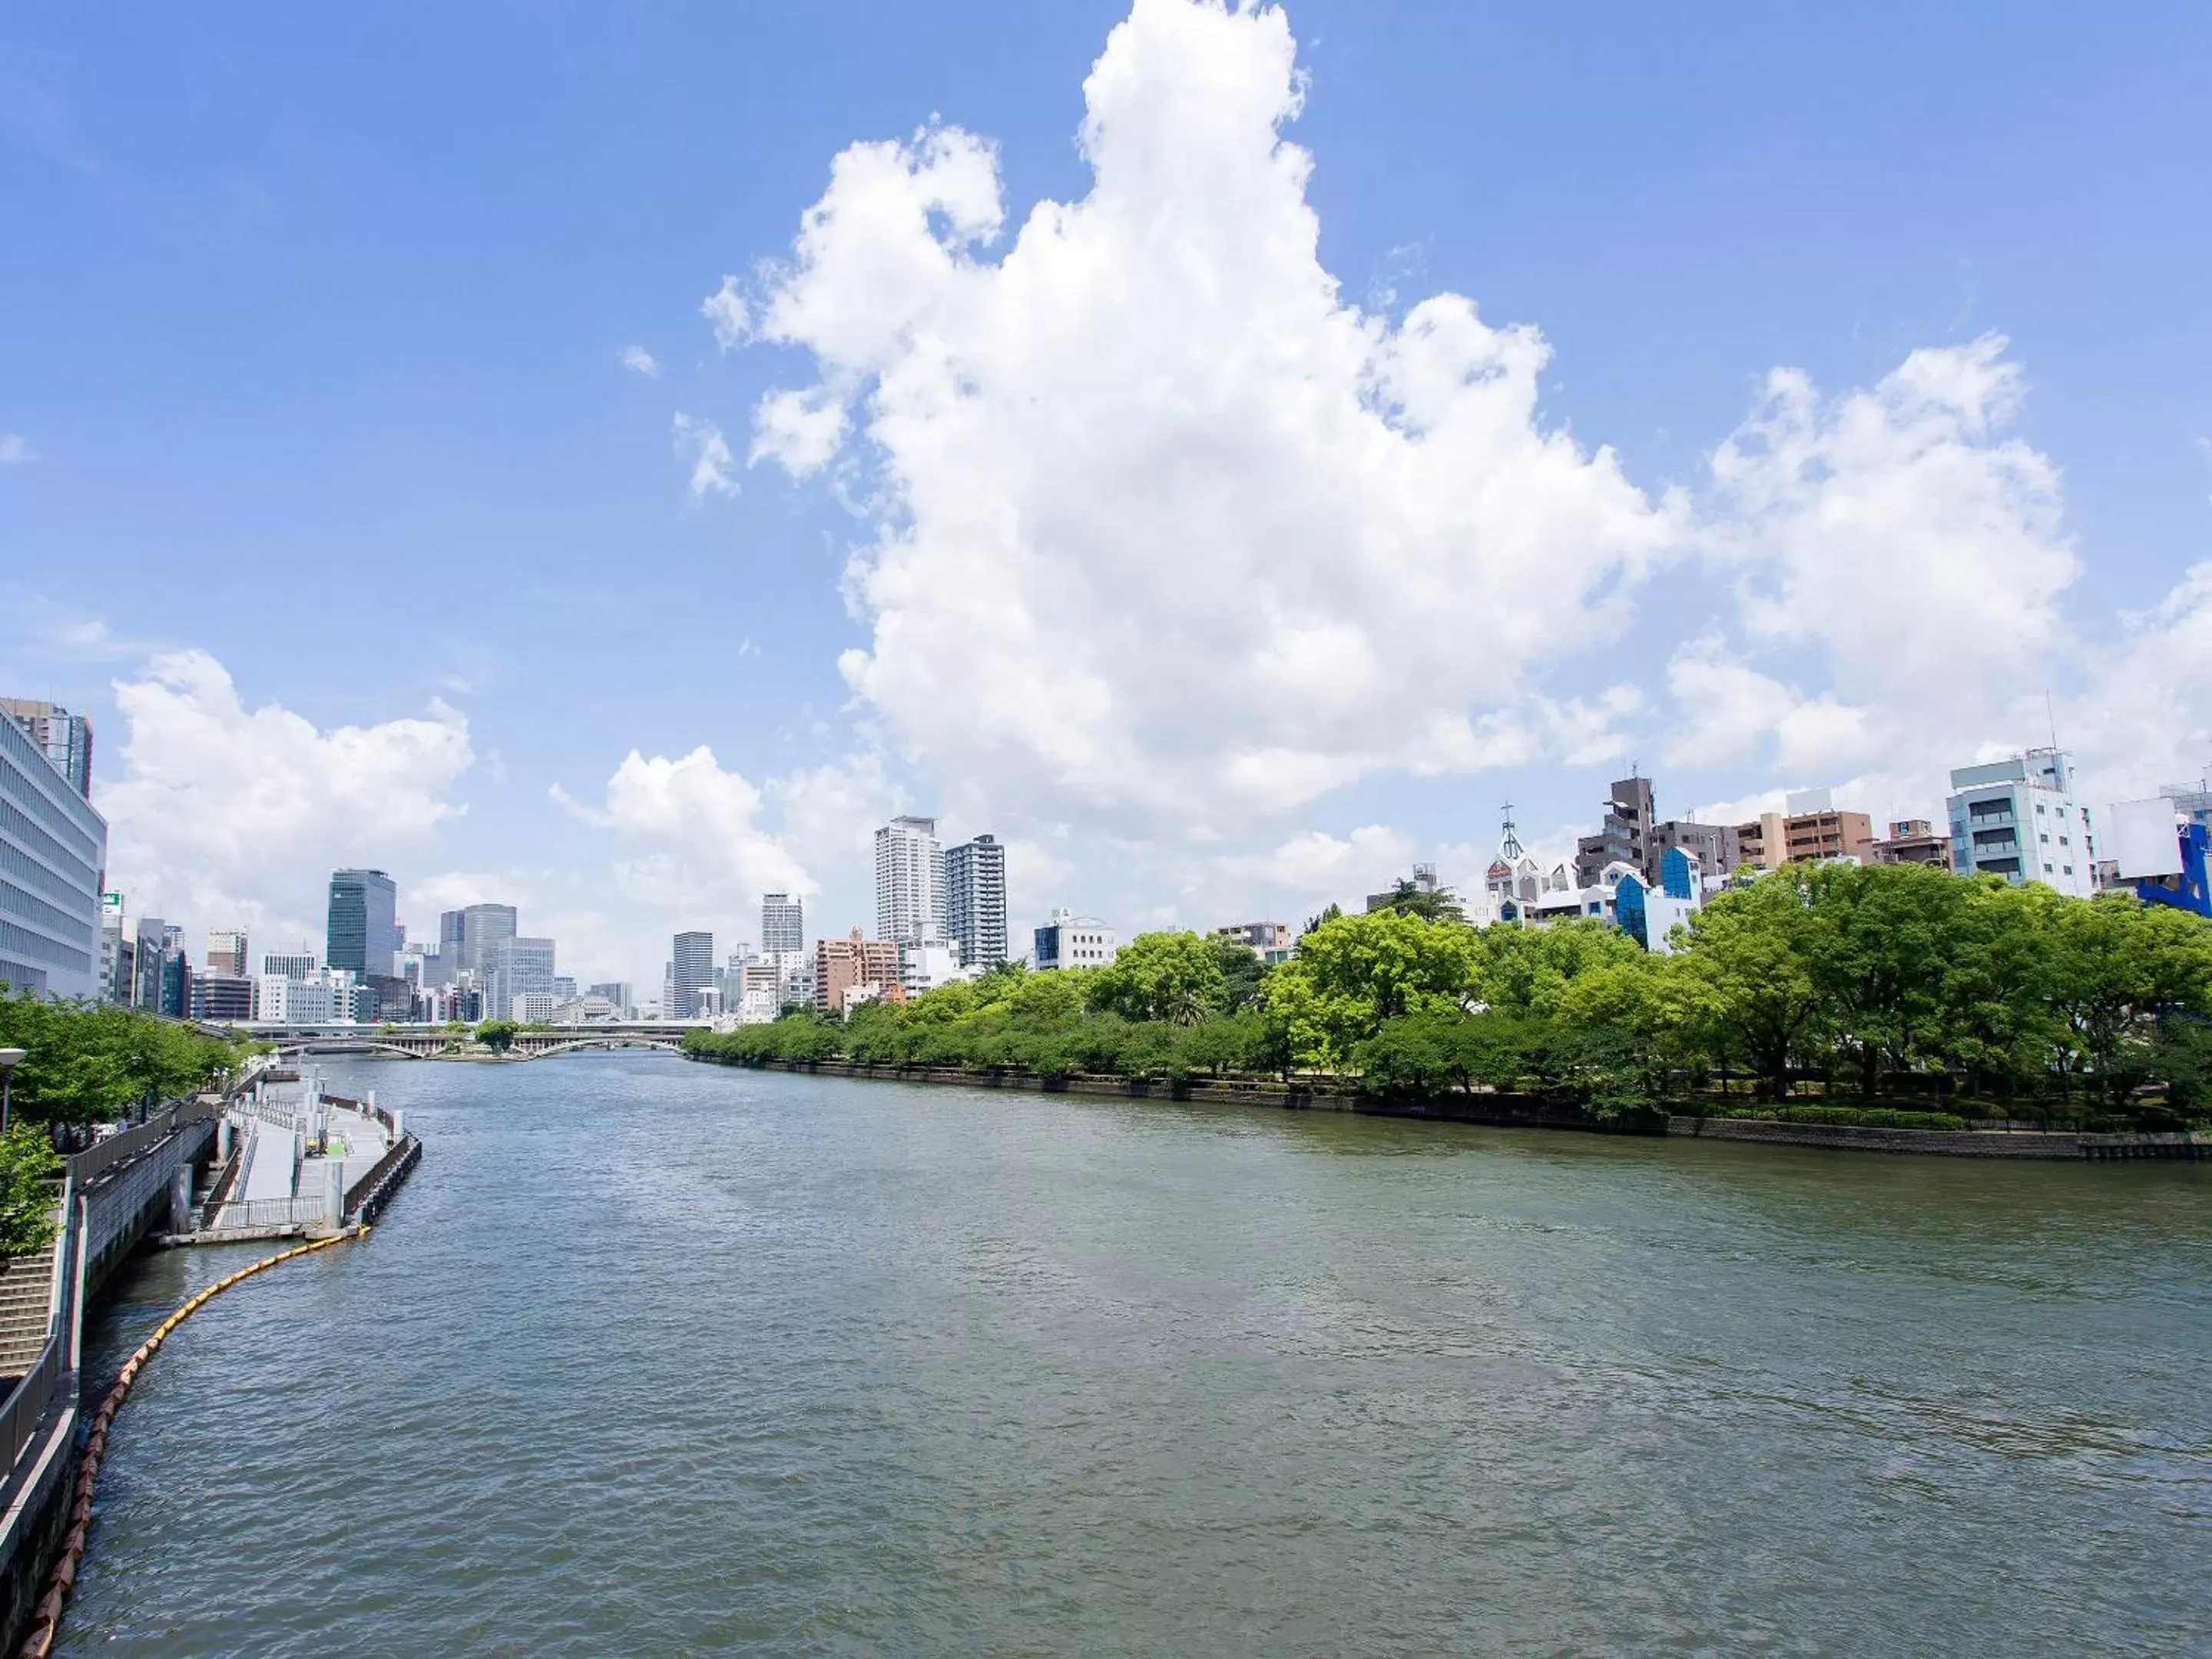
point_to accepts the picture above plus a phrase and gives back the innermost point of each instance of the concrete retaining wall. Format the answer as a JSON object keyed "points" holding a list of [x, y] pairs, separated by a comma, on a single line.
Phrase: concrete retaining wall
{"points": [[1947, 1143]]}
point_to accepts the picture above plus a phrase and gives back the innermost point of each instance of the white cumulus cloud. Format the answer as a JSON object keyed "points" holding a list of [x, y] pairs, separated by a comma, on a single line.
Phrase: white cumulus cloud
{"points": [[1165, 527], [639, 360], [696, 841], [226, 814]]}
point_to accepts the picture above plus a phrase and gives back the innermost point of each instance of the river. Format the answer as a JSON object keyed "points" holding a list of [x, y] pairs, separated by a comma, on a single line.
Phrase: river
{"points": [[655, 1358]]}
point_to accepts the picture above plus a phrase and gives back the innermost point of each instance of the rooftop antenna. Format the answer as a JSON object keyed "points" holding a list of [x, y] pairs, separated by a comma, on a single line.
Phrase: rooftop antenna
{"points": [[2051, 714], [1510, 847]]}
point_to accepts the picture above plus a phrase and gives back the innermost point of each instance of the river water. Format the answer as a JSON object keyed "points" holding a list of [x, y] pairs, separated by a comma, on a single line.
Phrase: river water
{"points": [[655, 1358]]}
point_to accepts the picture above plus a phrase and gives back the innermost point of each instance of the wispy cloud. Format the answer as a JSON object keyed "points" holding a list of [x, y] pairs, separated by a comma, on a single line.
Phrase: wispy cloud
{"points": [[40, 119], [639, 360], [713, 467], [15, 450]]}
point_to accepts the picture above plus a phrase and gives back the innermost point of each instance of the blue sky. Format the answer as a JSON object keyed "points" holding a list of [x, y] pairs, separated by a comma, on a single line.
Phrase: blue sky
{"points": [[311, 328]]}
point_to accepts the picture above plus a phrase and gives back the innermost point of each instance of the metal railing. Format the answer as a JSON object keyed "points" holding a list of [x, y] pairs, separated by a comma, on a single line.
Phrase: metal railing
{"points": [[25, 1408], [276, 1116], [269, 1212], [102, 1155], [366, 1198]]}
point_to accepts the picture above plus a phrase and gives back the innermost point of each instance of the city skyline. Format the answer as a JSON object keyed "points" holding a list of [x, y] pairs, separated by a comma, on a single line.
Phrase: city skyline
{"points": [[1831, 440]]}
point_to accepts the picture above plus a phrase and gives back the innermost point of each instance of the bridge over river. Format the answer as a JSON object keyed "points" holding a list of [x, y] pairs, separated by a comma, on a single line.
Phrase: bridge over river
{"points": [[428, 1042]]}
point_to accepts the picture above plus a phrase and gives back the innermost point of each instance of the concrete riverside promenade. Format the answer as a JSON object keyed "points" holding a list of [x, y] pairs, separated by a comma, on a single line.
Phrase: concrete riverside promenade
{"points": [[287, 1156], [128, 1186], [1514, 1111]]}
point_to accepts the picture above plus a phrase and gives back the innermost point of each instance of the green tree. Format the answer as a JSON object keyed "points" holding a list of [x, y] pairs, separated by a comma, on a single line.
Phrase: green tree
{"points": [[1355, 973], [497, 1034], [1880, 947], [1430, 904], [28, 1168], [1175, 977], [1525, 969], [1242, 971], [1747, 981], [2118, 966]]}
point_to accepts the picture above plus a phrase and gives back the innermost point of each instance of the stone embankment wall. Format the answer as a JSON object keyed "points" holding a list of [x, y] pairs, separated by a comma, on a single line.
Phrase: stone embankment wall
{"points": [[1948, 1143], [1527, 1112]]}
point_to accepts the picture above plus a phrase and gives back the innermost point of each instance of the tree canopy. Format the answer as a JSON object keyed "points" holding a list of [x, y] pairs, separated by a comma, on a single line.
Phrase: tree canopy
{"points": [[1876, 982], [83, 1062]]}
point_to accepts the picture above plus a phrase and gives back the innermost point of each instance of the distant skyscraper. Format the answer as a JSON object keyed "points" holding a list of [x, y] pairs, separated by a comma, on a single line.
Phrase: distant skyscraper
{"points": [[514, 966], [451, 924], [482, 927], [975, 900], [65, 738], [226, 952], [363, 932], [691, 970], [783, 924], [53, 847], [910, 881]]}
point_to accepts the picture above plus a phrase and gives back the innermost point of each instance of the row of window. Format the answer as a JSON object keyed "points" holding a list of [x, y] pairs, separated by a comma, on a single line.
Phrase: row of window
{"points": [[20, 824], [38, 948], [17, 901]]}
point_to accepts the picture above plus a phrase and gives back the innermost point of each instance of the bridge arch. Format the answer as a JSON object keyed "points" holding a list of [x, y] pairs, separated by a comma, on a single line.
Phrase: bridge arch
{"points": [[664, 1044], [353, 1045]]}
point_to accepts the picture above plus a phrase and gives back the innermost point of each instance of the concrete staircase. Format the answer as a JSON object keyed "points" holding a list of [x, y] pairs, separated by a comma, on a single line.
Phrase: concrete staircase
{"points": [[26, 1292]]}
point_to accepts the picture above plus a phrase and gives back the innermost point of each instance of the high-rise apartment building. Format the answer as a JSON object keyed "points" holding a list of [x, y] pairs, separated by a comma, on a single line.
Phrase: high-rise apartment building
{"points": [[847, 970], [975, 900], [1624, 836], [363, 932], [910, 881], [227, 952], [65, 739], [53, 850], [2018, 818], [783, 925], [691, 970]]}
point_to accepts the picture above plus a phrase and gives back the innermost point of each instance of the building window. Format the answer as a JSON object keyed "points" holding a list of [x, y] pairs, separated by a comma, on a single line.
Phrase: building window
{"points": [[2062, 841], [2046, 869], [2040, 809], [2045, 838]]}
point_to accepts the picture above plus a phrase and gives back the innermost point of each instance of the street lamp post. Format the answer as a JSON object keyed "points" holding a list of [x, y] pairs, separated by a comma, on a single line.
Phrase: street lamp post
{"points": [[9, 1059]]}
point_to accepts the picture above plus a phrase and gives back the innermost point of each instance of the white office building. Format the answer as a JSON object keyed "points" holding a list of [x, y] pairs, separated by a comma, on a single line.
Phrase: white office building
{"points": [[312, 996], [910, 881], [926, 963], [1071, 941], [2018, 818], [53, 847]]}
